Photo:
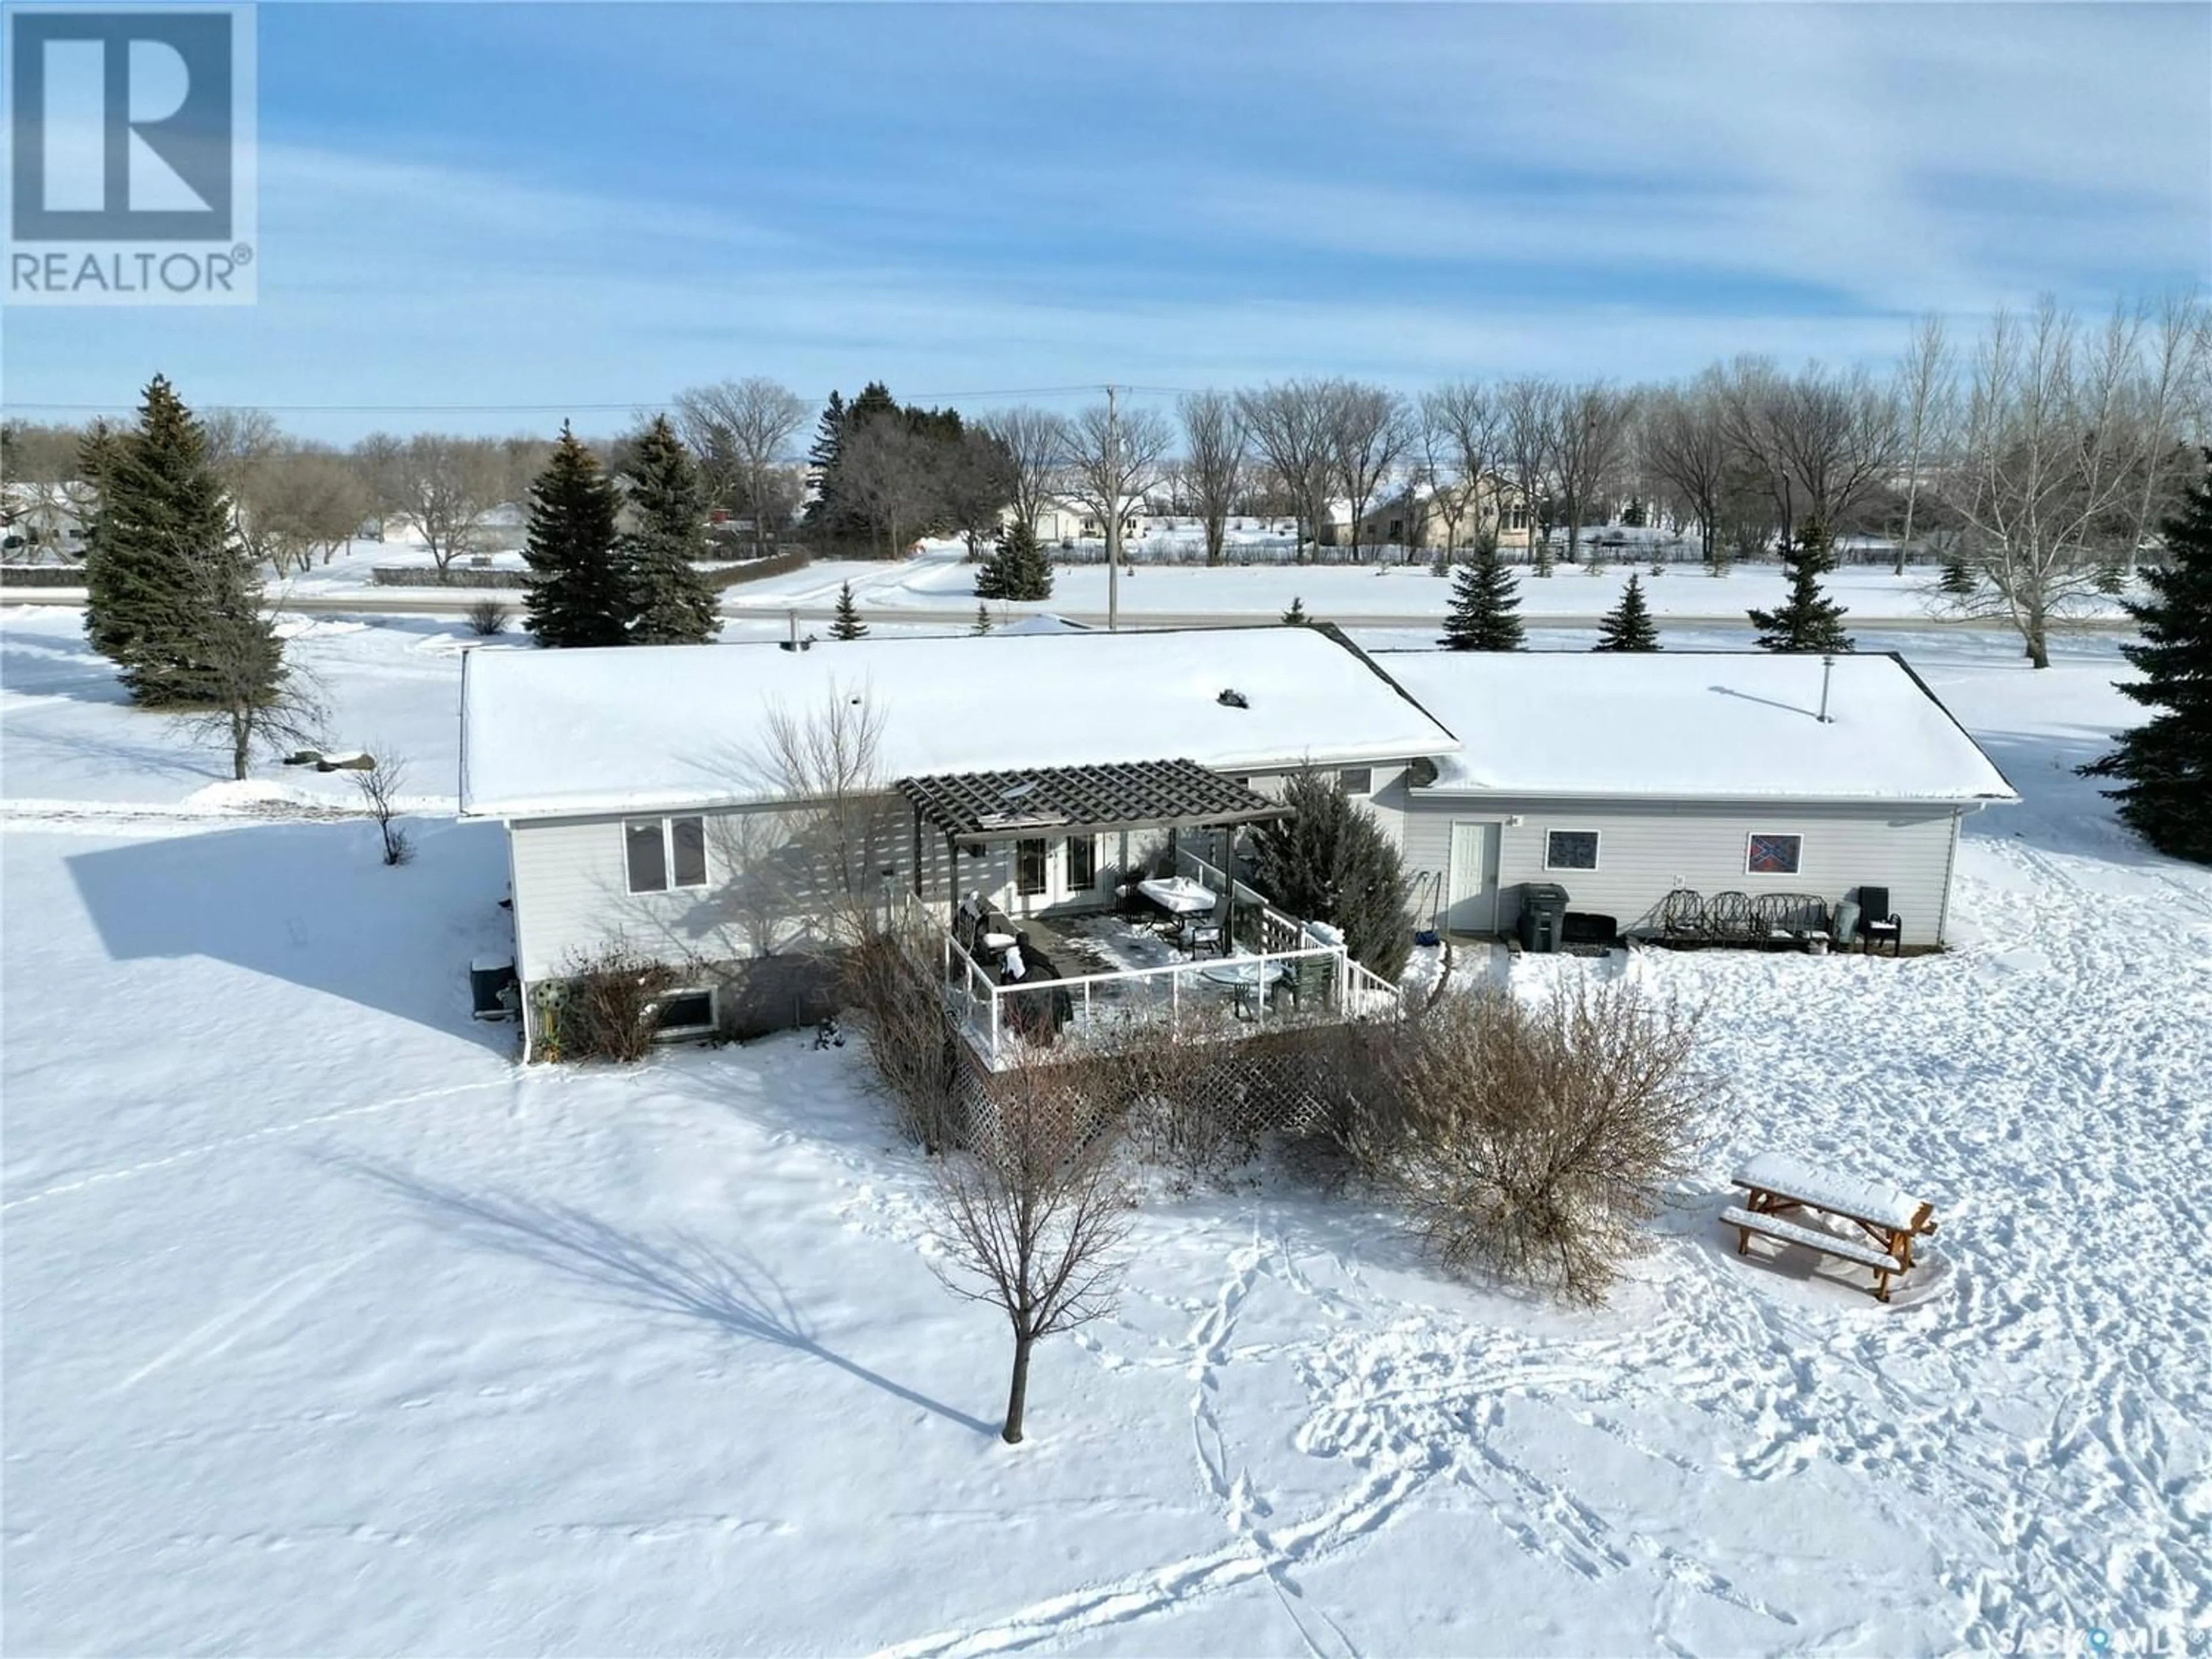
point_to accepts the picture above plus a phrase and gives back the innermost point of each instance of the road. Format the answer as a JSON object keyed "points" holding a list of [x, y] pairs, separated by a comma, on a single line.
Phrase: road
{"points": [[401, 602]]}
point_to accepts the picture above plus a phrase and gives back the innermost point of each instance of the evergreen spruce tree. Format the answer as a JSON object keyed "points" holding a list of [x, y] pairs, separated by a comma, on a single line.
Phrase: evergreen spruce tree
{"points": [[982, 619], [1331, 861], [1018, 568], [1296, 616], [167, 584], [1485, 596], [1958, 577], [845, 624], [1627, 626], [578, 586], [2166, 763], [670, 602], [1808, 620], [95, 457]]}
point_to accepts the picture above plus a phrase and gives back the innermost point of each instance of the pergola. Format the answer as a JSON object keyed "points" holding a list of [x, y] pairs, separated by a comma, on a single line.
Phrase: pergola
{"points": [[975, 809]]}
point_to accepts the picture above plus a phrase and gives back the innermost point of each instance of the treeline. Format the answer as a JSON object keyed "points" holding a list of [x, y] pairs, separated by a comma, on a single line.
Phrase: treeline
{"points": [[2034, 460]]}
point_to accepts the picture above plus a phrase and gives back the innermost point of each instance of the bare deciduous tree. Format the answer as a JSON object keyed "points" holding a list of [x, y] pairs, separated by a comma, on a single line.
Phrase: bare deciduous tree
{"points": [[1032, 1219], [1839, 437], [2170, 406], [1685, 446], [443, 487], [1530, 408], [1034, 440], [889, 474], [1590, 428], [1369, 430], [1217, 454], [1114, 456], [2047, 466], [810, 875], [1289, 424], [1463, 434], [1923, 393], [379, 785], [743, 433]]}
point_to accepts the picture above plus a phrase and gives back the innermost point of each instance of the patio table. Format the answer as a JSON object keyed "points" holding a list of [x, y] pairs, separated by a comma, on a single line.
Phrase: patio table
{"points": [[1178, 894], [1244, 976]]}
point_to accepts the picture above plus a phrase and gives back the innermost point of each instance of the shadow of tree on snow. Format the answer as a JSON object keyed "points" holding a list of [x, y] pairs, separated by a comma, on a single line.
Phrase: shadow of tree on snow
{"points": [[681, 1277]]}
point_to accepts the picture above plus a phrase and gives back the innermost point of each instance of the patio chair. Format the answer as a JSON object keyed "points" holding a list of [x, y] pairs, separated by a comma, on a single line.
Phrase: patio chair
{"points": [[1730, 916], [1682, 915], [1878, 924], [1198, 932]]}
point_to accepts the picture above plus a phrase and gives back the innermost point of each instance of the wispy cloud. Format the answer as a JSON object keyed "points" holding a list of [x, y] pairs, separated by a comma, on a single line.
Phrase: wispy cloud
{"points": [[602, 205]]}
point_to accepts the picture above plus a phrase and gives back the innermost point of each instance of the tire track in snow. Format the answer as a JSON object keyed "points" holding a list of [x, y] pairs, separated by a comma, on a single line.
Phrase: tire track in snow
{"points": [[231, 1143], [218, 1335]]}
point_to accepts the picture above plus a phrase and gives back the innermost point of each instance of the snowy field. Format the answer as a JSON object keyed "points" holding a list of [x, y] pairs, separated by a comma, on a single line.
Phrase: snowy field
{"points": [[938, 587], [328, 1330], [938, 581]]}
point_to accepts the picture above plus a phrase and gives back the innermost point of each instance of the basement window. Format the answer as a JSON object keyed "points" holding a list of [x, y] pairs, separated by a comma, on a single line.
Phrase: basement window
{"points": [[656, 847], [684, 1014]]}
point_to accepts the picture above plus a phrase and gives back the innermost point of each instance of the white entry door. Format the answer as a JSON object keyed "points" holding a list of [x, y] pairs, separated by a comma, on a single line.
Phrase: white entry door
{"points": [[1471, 884]]}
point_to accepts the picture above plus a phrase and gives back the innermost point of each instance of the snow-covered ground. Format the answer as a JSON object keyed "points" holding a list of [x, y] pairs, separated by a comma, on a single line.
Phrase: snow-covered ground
{"points": [[938, 581], [939, 586], [326, 1329]]}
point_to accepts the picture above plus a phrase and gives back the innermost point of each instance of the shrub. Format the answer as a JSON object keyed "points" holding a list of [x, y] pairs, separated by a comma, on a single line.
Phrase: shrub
{"points": [[890, 987], [607, 1008], [1532, 1143], [488, 617]]}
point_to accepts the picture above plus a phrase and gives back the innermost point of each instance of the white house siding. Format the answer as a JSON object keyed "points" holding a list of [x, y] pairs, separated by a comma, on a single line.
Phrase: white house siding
{"points": [[1647, 849], [572, 893]]}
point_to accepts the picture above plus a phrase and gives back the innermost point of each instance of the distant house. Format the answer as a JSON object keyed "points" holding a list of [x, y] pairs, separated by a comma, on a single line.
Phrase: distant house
{"points": [[1062, 522], [1622, 778], [1418, 517], [645, 800]]}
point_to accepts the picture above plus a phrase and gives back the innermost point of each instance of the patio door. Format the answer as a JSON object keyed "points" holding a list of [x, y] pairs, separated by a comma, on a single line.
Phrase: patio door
{"points": [[1471, 882]]}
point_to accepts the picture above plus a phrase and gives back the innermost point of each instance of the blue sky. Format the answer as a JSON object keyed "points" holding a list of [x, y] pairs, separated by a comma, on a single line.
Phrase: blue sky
{"points": [[584, 208]]}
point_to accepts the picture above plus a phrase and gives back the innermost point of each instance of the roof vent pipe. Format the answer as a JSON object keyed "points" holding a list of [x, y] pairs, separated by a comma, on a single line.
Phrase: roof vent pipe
{"points": [[1827, 673]]}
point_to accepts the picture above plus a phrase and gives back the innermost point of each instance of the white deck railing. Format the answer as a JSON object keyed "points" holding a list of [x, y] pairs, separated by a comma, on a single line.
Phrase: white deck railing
{"points": [[1183, 995]]}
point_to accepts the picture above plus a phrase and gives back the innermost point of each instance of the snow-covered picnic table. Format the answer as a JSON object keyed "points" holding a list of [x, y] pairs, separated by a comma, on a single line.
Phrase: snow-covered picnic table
{"points": [[1889, 1217]]}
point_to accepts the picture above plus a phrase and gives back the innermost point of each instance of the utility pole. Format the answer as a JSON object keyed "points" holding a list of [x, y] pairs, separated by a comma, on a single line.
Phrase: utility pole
{"points": [[1113, 518]]}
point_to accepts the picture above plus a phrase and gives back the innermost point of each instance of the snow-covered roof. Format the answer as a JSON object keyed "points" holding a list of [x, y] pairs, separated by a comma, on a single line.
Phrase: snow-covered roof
{"points": [[545, 733], [1694, 725]]}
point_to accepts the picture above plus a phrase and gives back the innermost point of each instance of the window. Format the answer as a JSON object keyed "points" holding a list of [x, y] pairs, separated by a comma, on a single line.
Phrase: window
{"points": [[1029, 866], [1082, 863], [1571, 849], [680, 1012], [1773, 855], [653, 847], [1358, 779]]}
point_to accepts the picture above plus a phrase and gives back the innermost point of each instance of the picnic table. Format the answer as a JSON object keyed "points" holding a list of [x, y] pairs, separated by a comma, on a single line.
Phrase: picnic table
{"points": [[1888, 1218]]}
